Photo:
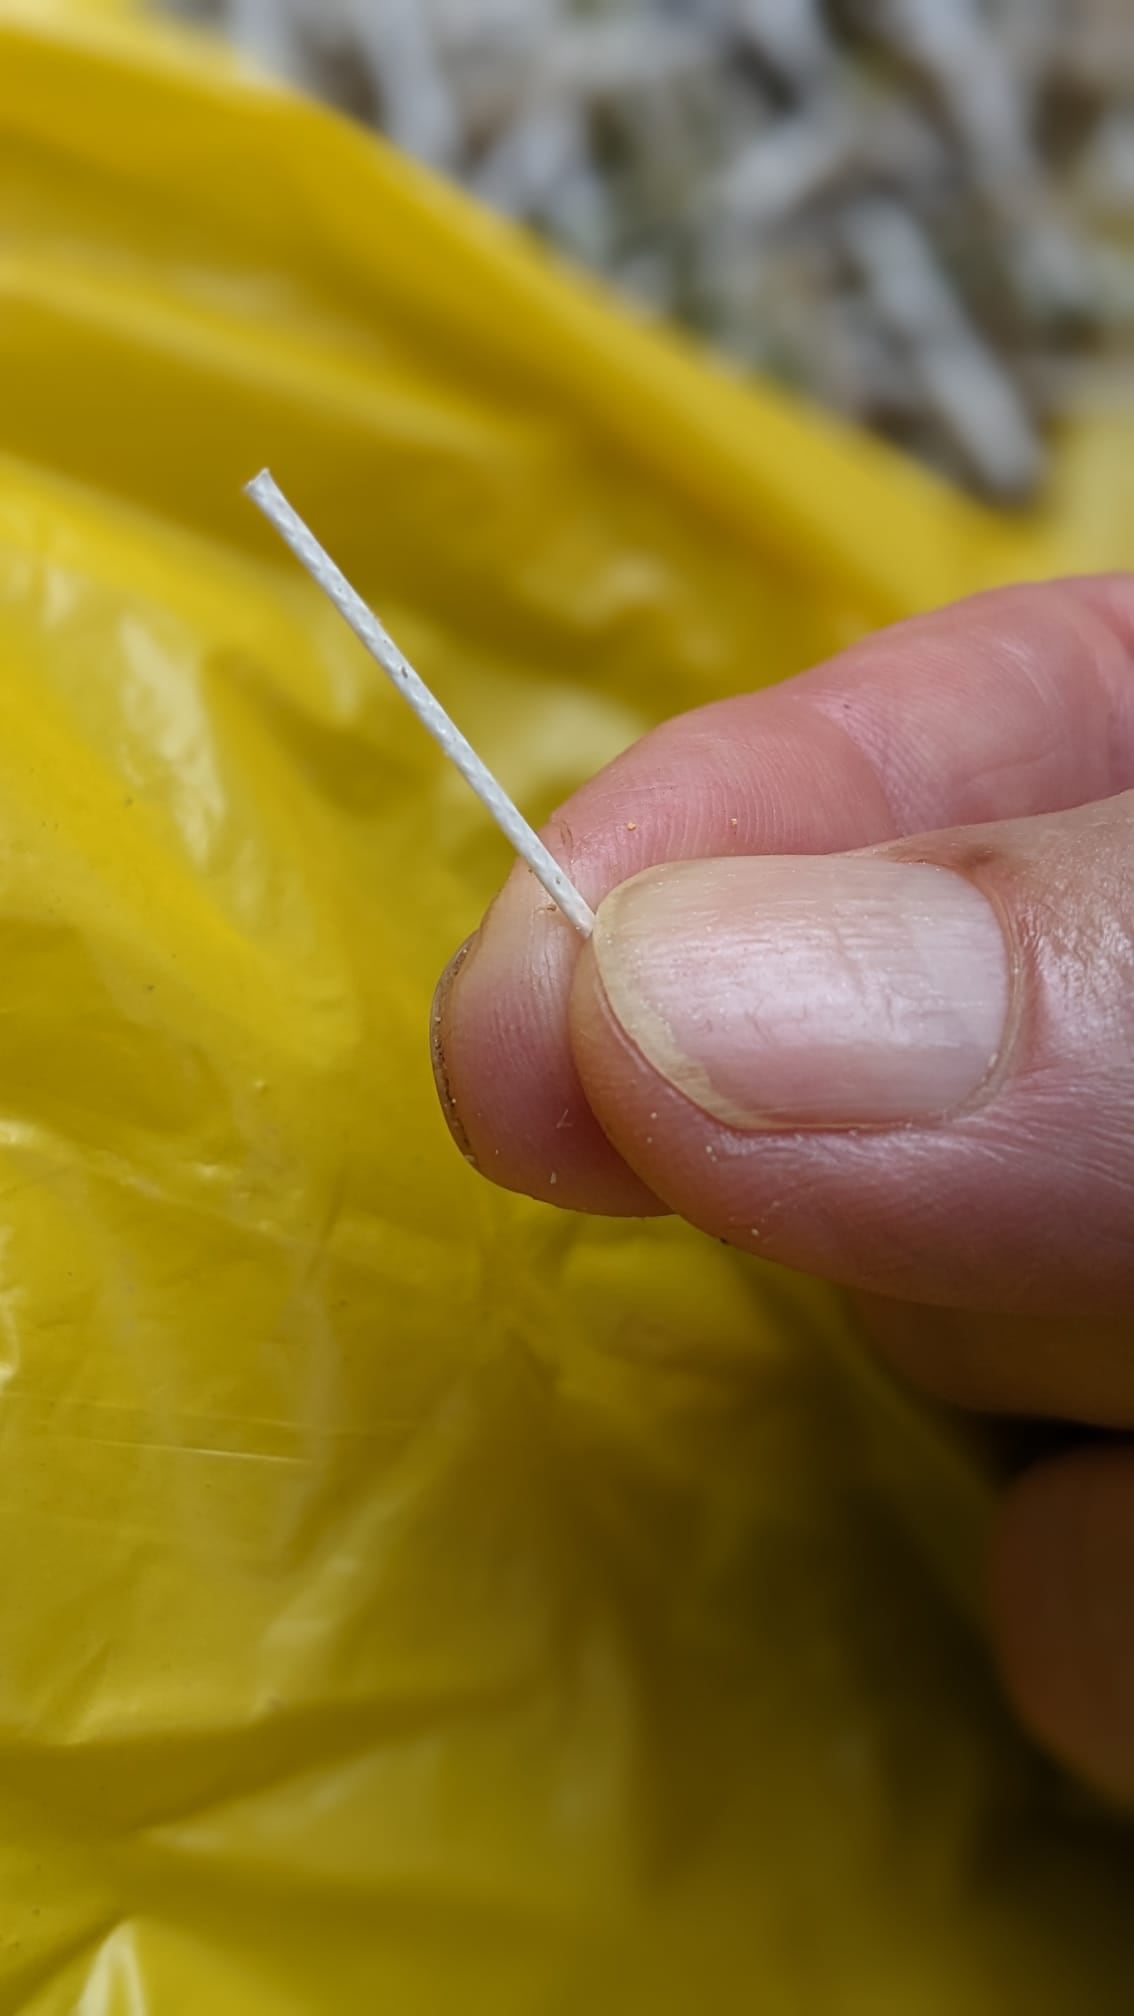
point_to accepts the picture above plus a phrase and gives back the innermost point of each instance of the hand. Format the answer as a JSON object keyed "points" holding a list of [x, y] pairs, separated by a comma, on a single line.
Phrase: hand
{"points": [[860, 999]]}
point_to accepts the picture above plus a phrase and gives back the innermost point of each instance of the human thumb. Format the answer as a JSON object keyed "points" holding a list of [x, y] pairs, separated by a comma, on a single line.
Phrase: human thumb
{"points": [[909, 1069]]}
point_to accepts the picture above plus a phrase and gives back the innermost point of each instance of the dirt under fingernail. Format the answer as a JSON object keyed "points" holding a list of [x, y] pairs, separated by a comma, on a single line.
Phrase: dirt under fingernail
{"points": [[441, 1077]]}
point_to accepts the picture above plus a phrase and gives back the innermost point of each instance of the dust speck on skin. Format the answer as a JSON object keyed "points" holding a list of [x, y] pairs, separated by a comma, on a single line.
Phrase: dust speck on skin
{"points": [[710, 1150], [564, 1120], [553, 1178], [734, 823], [631, 825]]}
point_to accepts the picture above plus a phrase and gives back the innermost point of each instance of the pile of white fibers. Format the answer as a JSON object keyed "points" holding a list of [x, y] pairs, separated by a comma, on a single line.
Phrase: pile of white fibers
{"points": [[918, 211]]}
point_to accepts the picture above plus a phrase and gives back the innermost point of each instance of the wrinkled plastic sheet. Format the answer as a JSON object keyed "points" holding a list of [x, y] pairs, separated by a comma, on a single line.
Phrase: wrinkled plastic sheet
{"points": [[415, 1600]]}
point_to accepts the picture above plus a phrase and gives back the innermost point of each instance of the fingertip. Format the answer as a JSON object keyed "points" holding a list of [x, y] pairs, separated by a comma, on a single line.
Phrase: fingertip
{"points": [[702, 1171], [504, 1068]]}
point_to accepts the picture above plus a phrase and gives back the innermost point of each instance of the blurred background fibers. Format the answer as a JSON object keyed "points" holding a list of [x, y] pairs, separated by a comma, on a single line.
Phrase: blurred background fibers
{"points": [[918, 212]]}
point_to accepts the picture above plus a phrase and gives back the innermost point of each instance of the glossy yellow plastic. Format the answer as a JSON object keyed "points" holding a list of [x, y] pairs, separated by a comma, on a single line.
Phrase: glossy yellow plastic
{"points": [[416, 1603]]}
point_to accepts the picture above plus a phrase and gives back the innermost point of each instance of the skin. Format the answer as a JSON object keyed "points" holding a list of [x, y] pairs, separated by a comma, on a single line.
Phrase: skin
{"points": [[992, 1242]]}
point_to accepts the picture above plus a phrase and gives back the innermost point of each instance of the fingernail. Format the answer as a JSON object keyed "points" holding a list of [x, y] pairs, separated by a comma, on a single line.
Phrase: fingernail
{"points": [[812, 991], [441, 1077]]}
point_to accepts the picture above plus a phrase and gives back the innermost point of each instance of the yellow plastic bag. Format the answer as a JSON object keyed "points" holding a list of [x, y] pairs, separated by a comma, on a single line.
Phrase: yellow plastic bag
{"points": [[413, 1601]]}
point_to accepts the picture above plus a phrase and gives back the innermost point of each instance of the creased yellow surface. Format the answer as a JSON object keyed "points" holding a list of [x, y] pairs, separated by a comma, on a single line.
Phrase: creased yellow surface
{"points": [[414, 1601]]}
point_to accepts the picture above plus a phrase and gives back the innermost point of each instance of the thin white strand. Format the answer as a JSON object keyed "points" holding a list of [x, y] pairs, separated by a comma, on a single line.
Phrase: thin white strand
{"points": [[269, 498]]}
